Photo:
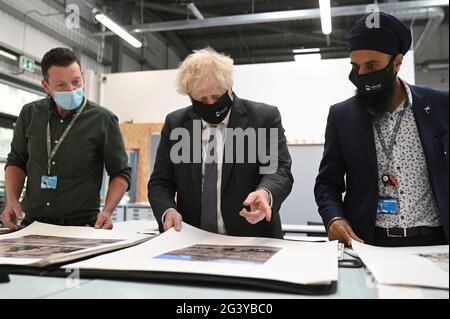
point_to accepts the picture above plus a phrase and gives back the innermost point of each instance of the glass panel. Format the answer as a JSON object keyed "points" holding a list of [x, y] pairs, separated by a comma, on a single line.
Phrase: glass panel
{"points": [[14, 98]]}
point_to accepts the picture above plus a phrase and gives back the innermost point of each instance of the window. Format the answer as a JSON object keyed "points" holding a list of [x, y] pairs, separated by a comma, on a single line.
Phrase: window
{"points": [[13, 98]]}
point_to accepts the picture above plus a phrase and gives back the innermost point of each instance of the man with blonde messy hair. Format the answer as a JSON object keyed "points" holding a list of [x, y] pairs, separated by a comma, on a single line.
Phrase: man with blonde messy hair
{"points": [[201, 176]]}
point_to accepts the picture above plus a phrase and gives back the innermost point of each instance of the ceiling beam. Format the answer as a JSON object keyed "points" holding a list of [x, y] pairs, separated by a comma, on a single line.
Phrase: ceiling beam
{"points": [[280, 16]]}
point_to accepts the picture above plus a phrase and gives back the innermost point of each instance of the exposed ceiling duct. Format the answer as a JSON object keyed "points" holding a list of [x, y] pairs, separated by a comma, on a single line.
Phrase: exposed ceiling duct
{"points": [[433, 66], [435, 16], [280, 16]]}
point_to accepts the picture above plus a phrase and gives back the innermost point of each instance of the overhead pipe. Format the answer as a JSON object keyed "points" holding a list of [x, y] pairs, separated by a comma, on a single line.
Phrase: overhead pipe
{"points": [[279, 16]]}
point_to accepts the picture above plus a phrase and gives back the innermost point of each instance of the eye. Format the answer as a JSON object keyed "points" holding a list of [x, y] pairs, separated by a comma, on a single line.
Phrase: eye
{"points": [[371, 66]]}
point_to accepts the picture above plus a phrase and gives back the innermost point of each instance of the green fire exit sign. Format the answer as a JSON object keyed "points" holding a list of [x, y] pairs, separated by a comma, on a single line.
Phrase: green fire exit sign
{"points": [[26, 63]]}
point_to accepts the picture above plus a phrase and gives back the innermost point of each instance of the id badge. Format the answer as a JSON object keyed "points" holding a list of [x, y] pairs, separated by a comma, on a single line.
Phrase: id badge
{"points": [[387, 205], [49, 182]]}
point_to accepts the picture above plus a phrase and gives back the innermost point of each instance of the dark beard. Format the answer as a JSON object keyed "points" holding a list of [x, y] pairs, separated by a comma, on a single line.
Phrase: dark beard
{"points": [[380, 103], [376, 104]]}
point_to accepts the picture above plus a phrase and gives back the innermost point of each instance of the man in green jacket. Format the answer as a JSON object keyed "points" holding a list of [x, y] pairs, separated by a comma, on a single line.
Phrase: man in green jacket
{"points": [[60, 145]]}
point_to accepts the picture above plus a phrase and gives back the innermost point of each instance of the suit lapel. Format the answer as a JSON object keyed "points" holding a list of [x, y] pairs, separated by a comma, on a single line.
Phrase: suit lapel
{"points": [[366, 133], [238, 119], [424, 127]]}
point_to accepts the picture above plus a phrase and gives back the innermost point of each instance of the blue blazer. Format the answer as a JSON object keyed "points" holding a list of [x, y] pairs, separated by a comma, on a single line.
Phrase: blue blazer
{"points": [[349, 162]]}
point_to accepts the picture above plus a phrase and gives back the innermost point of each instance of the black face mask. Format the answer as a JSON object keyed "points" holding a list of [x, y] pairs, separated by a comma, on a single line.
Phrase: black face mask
{"points": [[213, 113], [375, 91]]}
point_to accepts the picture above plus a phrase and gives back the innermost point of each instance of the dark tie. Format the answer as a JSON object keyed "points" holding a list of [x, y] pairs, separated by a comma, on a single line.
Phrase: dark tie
{"points": [[209, 192]]}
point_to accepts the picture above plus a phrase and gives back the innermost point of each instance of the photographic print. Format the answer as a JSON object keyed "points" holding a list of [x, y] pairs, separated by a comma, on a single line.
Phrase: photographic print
{"points": [[38, 246], [440, 259], [255, 255]]}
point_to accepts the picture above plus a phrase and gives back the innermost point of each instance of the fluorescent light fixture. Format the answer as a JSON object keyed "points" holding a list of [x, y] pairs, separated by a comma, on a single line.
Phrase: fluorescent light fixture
{"points": [[325, 16], [309, 50], [8, 55], [307, 57], [117, 29]]}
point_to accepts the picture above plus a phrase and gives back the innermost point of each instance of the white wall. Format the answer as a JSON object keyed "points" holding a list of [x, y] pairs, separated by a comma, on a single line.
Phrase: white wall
{"points": [[303, 91], [21, 37]]}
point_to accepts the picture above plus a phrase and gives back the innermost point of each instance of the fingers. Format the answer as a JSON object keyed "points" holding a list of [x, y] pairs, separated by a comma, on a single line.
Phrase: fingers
{"points": [[339, 230], [9, 220], [101, 220], [99, 223], [250, 199], [353, 236], [257, 202], [107, 225], [18, 212], [177, 222], [168, 223], [173, 219], [267, 211], [347, 237], [343, 232], [252, 217]]}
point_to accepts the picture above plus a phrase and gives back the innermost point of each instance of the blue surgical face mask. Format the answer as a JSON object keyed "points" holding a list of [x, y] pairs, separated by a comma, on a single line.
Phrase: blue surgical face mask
{"points": [[69, 100]]}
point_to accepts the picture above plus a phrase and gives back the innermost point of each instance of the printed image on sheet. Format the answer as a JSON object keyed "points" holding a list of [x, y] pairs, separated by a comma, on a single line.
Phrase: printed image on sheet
{"points": [[256, 255], [440, 259], [38, 246]]}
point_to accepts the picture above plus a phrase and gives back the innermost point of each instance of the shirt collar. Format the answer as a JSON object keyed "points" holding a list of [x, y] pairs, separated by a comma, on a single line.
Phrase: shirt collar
{"points": [[71, 113], [405, 104]]}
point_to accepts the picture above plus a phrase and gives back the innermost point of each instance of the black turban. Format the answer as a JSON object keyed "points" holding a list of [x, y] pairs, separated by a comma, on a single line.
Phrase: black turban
{"points": [[391, 37]]}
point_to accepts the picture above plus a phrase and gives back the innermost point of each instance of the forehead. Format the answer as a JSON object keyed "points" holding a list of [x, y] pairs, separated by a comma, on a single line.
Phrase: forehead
{"points": [[57, 73], [209, 90], [364, 56]]}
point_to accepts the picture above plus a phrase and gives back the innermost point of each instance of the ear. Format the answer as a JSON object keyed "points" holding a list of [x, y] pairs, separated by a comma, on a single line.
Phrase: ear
{"points": [[398, 62], [45, 86]]}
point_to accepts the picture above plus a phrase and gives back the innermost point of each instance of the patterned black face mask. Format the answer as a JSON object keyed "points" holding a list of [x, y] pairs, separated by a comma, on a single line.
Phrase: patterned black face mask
{"points": [[213, 113], [375, 91], [375, 82]]}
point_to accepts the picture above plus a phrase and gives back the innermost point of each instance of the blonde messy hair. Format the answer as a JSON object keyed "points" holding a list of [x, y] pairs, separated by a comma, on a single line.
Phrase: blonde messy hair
{"points": [[204, 68]]}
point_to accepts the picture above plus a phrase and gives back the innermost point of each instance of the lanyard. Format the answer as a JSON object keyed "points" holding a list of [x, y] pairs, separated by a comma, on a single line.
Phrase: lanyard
{"points": [[387, 150], [51, 153]]}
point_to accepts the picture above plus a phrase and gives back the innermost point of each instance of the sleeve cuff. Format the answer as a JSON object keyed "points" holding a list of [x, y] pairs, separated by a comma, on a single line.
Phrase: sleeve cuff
{"points": [[164, 214]]}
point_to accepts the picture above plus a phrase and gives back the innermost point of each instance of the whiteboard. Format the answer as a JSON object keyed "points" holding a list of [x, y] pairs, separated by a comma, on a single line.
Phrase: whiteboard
{"points": [[302, 90]]}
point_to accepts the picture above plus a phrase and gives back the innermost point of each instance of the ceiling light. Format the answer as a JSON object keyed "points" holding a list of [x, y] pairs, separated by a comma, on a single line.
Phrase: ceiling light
{"points": [[117, 29], [8, 55], [325, 16], [303, 51]]}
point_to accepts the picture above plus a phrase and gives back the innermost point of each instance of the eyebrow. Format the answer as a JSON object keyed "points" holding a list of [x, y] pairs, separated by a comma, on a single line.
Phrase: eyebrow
{"points": [[368, 62]]}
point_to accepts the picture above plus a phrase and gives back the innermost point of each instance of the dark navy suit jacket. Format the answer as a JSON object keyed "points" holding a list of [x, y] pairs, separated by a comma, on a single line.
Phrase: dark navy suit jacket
{"points": [[349, 162]]}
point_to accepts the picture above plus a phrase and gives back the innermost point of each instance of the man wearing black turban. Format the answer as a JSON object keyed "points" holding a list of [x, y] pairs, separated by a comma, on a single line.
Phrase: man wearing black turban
{"points": [[386, 148]]}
